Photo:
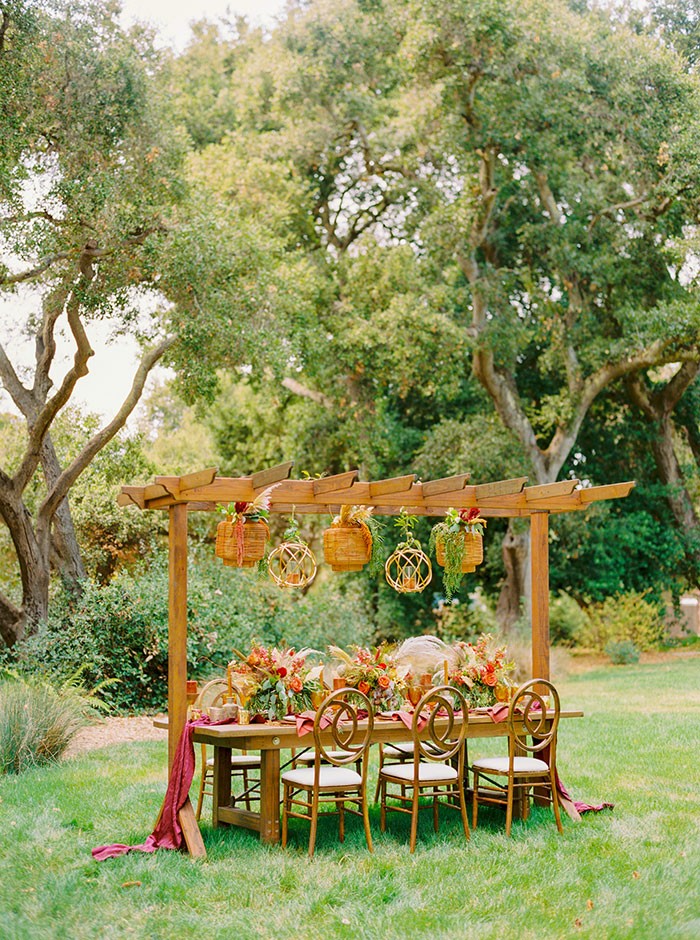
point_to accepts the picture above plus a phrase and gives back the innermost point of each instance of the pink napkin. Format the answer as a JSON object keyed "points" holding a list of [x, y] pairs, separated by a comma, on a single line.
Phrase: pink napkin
{"points": [[168, 832], [305, 722], [407, 719], [498, 712]]}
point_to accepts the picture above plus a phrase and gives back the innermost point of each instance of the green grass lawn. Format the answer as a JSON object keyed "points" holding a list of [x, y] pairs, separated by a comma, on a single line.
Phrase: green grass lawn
{"points": [[633, 872]]}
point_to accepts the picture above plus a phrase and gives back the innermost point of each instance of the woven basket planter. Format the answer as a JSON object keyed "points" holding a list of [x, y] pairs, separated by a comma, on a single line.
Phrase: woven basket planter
{"points": [[347, 548], [241, 545], [472, 555]]}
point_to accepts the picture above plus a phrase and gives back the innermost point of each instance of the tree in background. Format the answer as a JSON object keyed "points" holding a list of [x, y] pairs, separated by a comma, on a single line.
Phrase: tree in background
{"points": [[97, 223], [493, 193]]}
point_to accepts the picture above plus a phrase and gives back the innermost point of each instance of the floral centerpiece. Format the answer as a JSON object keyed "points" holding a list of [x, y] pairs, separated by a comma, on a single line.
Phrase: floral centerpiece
{"points": [[457, 541], [374, 672], [275, 682], [481, 667]]}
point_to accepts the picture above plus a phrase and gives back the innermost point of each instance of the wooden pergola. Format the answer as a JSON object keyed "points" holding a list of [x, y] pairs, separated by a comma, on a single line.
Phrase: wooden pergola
{"points": [[203, 490]]}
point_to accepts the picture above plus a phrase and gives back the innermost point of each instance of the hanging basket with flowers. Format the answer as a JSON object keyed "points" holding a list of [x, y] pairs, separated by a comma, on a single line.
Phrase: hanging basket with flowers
{"points": [[458, 544], [353, 539], [292, 563], [241, 537], [408, 569]]}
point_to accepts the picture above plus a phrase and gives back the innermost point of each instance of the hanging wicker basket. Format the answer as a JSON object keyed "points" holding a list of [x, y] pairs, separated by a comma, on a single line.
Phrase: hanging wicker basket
{"points": [[292, 564], [472, 553], [241, 544], [408, 570], [347, 548]]}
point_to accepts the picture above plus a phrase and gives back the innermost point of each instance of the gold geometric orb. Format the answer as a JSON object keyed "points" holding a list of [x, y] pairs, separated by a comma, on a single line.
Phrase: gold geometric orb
{"points": [[292, 564], [408, 570]]}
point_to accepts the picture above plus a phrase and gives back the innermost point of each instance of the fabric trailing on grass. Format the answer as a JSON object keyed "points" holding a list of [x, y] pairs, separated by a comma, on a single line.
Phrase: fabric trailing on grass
{"points": [[168, 832]]}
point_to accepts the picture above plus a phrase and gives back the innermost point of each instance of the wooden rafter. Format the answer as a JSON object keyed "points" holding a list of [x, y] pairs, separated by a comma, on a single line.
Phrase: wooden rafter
{"points": [[204, 490]]}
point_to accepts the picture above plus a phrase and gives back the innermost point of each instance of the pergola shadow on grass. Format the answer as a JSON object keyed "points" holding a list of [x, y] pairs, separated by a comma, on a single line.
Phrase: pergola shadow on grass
{"points": [[204, 491]]}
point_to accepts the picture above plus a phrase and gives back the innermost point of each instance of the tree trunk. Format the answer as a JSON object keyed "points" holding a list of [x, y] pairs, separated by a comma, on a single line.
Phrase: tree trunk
{"points": [[516, 553], [66, 557]]}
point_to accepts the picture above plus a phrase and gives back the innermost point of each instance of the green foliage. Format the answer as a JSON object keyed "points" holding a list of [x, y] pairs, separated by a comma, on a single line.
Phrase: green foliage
{"points": [[567, 619], [623, 617], [120, 630], [38, 721], [622, 652]]}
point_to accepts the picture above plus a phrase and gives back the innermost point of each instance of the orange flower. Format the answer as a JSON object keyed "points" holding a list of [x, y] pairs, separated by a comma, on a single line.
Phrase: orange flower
{"points": [[490, 679], [384, 682], [296, 684], [363, 687]]}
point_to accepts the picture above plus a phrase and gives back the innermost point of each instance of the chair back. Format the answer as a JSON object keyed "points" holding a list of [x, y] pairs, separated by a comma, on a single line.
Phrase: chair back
{"points": [[531, 717], [439, 739], [340, 715]]}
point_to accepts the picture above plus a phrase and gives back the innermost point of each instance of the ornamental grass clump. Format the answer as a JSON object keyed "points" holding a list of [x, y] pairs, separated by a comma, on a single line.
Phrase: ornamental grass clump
{"points": [[37, 722]]}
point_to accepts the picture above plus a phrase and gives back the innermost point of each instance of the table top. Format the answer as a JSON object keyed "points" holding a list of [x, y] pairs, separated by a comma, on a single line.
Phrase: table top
{"points": [[283, 734]]}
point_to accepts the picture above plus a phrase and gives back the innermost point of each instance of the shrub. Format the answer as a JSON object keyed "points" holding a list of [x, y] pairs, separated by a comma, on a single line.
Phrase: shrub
{"points": [[623, 617], [120, 630], [37, 722], [567, 620], [622, 652]]}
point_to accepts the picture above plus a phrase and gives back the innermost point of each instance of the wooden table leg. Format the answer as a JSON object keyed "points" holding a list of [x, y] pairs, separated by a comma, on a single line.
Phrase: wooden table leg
{"points": [[222, 782], [190, 830], [270, 796]]}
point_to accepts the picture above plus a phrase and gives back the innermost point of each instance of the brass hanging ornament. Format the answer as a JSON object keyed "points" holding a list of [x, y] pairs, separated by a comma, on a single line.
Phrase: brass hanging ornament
{"points": [[292, 563]]}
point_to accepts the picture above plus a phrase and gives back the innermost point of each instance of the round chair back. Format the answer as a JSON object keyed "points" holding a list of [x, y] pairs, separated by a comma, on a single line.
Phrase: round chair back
{"points": [[531, 716], [439, 740], [340, 715]]}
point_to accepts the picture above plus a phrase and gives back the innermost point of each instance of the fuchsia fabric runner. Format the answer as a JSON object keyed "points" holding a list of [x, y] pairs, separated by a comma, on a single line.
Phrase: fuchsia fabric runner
{"points": [[168, 832]]}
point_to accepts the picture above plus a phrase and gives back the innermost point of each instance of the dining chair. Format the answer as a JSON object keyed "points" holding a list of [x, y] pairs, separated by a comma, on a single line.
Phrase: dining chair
{"points": [[436, 769], [331, 780], [243, 765], [532, 730]]}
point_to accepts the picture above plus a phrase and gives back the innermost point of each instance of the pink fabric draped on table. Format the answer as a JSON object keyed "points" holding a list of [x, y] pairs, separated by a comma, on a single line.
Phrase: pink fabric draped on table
{"points": [[168, 832]]}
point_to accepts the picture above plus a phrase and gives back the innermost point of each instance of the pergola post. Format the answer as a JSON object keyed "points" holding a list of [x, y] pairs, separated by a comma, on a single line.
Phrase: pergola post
{"points": [[539, 569], [177, 627]]}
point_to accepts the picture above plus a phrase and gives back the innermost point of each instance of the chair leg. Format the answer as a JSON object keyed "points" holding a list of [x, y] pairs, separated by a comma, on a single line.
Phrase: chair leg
{"points": [[200, 798], [340, 806], [286, 801], [245, 789], [436, 820], [509, 806], [382, 805], [555, 799], [365, 818], [463, 811], [314, 824], [414, 819], [475, 801]]}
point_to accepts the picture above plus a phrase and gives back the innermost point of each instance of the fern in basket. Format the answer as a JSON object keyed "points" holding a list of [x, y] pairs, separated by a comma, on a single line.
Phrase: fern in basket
{"points": [[451, 532]]}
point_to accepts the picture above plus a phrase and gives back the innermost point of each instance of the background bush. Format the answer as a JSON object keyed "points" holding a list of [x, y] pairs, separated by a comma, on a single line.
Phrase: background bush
{"points": [[622, 652], [120, 630], [37, 722], [623, 617]]}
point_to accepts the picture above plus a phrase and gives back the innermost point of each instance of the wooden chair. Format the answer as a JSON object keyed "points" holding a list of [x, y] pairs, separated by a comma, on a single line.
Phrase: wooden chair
{"points": [[428, 774], [331, 780], [532, 729], [243, 765]]}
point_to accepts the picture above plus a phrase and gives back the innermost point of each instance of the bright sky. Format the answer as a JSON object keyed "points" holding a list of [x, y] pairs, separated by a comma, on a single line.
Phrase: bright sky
{"points": [[172, 18], [113, 366]]}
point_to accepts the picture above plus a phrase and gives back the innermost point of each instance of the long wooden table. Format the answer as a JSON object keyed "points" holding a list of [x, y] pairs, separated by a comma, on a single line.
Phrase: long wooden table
{"points": [[273, 737]]}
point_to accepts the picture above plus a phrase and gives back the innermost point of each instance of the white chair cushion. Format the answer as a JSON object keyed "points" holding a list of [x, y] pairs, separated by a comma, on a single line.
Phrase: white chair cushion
{"points": [[521, 765], [427, 773], [329, 777], [309, 758], [240, 761], [401, 749]]}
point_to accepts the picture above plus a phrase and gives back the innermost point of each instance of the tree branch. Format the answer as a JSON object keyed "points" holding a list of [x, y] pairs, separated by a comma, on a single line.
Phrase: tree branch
{"points": [[305, 392], [104, 436], [547, 196]]}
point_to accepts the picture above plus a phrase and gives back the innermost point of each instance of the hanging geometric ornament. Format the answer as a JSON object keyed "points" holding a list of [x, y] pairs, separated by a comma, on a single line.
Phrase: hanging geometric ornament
{"points": [[292, 563], [408, 569]]}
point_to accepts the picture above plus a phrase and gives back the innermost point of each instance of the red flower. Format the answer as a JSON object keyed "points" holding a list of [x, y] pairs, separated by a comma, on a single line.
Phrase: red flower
{"points": [[384, 682], [281, 671], [382, 665], [241, 507], [469, 515], [363, 687]]}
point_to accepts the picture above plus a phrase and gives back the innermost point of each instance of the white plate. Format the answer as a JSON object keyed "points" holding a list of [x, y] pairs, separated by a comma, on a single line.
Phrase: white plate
{"points": [[386, 714], [290, 718]]}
